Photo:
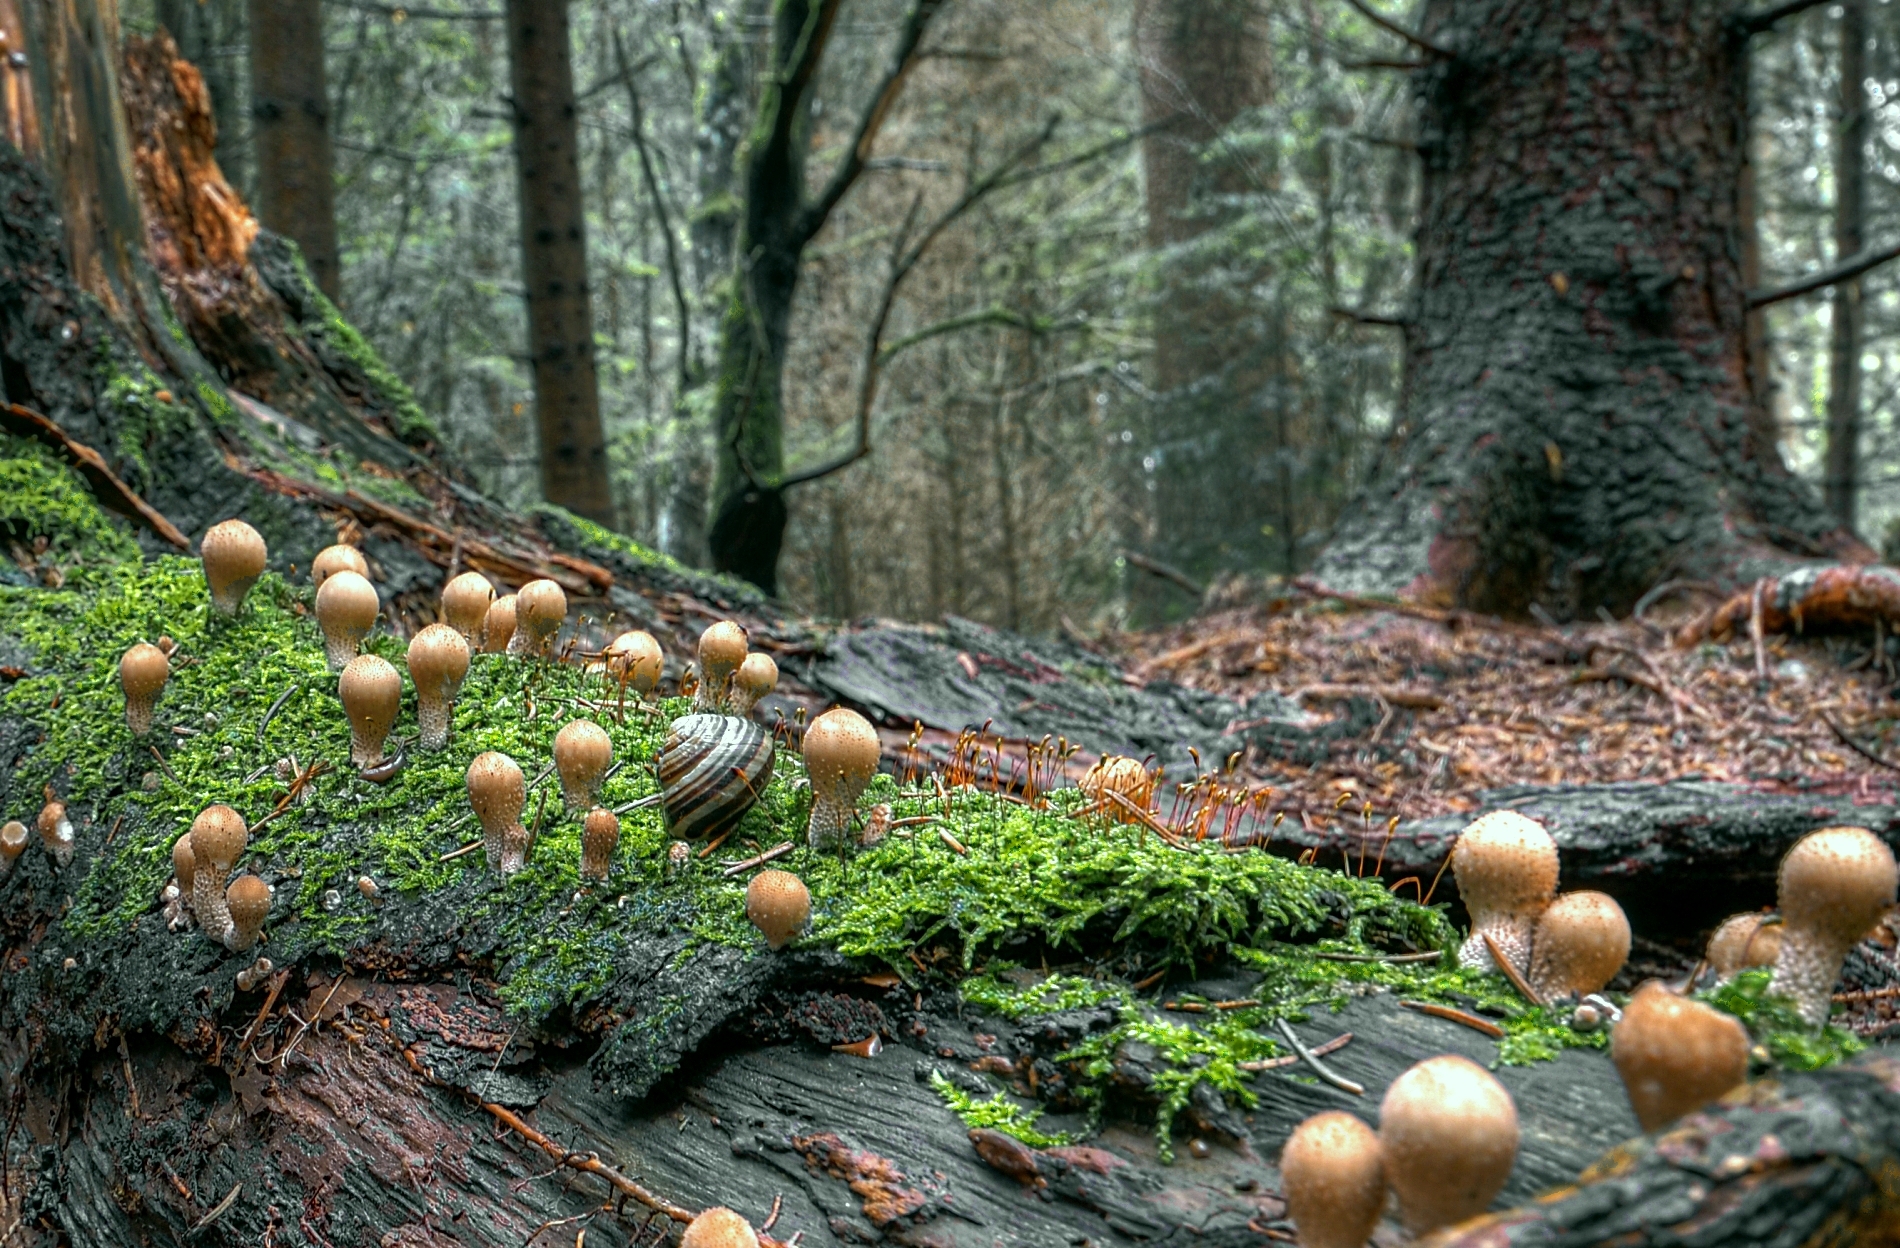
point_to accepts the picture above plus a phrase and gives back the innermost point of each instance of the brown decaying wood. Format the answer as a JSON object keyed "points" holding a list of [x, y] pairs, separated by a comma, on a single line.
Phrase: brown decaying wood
{"points": [[26, 423], [1850, 595]]}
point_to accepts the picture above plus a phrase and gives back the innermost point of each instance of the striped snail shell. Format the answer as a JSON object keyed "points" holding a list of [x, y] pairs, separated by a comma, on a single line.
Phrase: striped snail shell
{"points": [[712, 769]]}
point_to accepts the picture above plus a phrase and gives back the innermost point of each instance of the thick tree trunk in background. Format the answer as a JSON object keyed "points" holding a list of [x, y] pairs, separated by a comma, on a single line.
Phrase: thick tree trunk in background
{"points": [[554, 261], [290, 128], [1850, 213], [1577, 421]]}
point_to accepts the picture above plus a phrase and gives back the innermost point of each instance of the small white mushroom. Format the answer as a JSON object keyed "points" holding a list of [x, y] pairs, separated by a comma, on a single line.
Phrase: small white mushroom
{"points": [[234, 556]]}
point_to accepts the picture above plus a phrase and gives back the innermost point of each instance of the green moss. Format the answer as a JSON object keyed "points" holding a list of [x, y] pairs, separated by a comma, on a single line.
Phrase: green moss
{"points": [[1777, 1027], [1056, 992], [43, 500], [398, 407], [998, 1113], [148, 412]]}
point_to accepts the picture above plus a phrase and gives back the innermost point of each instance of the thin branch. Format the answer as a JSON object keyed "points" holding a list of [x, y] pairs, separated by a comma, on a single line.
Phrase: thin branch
{"points": [[1387, 24], [626, 71], [1166, 571], [1852, 267], [403, 12], [1762, 19], [1381, 62], [1371, 318], [995, 315]]}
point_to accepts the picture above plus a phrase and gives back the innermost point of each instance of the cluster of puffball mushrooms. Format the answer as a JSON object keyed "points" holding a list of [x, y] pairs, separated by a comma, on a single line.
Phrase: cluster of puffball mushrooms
{"points": [[841, 748], [1447, 1135]]}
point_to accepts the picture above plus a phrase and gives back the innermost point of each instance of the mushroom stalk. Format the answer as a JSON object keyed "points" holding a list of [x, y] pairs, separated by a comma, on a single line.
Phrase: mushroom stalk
{"points": [[218, 836], [600, 837]]}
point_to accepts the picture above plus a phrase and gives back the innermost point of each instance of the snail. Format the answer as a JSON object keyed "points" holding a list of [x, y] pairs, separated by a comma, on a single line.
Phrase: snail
{"points": [[712, 769]]}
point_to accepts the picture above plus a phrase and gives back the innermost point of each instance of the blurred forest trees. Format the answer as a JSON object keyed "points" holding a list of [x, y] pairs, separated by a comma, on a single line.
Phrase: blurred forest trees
{"points": [[1158, 352]]}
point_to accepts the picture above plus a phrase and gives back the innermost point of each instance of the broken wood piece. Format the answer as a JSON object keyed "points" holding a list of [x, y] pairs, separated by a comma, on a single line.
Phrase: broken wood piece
{"points": [[1447, 1013], [1836, 596], [26, 423], [1509, 971], [1319, 1068], [758, 860]]}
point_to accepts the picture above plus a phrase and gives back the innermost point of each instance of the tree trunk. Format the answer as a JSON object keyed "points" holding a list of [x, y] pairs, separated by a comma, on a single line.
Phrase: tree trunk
{"points": [[1850, 214], [1577, 419], [205, 31], [290, 127], [554, 261]]}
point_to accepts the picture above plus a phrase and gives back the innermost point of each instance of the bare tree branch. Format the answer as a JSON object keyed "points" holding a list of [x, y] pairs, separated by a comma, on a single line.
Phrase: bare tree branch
{"points": [[1387, 24], [402, 12], [981, 316], [1370, 318], [1854, 266], [625, 69], [1385, 63], [1762, 19], [1166, 571]]}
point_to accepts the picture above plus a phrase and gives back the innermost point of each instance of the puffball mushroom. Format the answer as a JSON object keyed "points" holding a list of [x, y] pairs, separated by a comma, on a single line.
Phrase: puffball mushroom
{"points": [[841, 752], [465, 603], [1449, 1132], [248, 901], [600, 837], [1742, 941], [779, 905], [12, 844], [635, 659], [438, 662], [722, 648], [339, 558], [346, 610], [1506, 868], [497, 792], [218, 836], [56, 831], [1581, 941], [182, 866], [1332, 1173], [371, 691], [582, 751], [719, 1227], [540, 610], [1833, 887], [143, 672], [233, 553], [1116, 774], [1676, 1054], [498, 625], [755, 678]]}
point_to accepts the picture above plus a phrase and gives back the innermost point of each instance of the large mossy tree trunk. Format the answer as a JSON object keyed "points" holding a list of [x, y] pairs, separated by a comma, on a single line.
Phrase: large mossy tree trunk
{"points": [[1577, 413]]}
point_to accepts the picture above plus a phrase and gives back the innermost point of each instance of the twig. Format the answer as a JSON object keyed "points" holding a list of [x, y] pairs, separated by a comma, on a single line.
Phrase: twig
{"points": [[637, 803], [1510, 971], [1387, 24], [1862, 750], [315, 1018], [1319, 1068], [952, 842], [1472, 1021], [165, 766], [230, 1198], [1850, 268], [277, 983], [1754, 632], [777, 851], [1319, 1050], [453, 854], [277, 704], [1166, 571]]}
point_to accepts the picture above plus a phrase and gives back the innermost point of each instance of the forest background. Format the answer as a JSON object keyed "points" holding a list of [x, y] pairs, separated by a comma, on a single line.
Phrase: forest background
{"points": [[1159, 352]]}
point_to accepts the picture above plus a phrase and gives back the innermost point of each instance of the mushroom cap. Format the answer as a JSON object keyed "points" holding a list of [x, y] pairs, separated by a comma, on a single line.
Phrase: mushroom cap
{"points": [[1676, 1054], [1449, 1131], [339, 558], [12, 839], [498, 625], [1332, 1173], [722, 648], [495, 788], [757, 674], [635, 658], [1504, 862], [50, 816], [218, 836], [438, 658], [371, 691], [779, 905], [1837, 882], [347, 601], [143, 671], [1581, 942], [465, 602], [582, 747], [183, 865], [232, 550], [719, 1227], [840, 745], [602, 826], [1742, 941], [540, 606], [249, 900]]}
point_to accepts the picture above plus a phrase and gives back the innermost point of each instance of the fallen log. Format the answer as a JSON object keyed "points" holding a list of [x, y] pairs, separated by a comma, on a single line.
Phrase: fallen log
{"points": [[1821, 597]]}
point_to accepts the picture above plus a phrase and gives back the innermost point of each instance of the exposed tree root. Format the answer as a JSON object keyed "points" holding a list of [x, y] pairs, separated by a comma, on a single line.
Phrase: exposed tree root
{"points": [[1835, 596]]}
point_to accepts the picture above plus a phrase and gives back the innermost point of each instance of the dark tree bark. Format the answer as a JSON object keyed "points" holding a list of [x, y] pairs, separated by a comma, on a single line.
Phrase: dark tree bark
{"points": [[1577, 418], [290, 127], [554, 261], [1850, 214]]}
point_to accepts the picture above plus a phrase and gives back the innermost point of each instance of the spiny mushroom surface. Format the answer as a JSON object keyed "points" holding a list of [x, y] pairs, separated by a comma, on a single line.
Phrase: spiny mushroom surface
{"points": [[756, 677], [465, 603], [600, 837], [371, 691], [1449, 1132], [218, 836], [719, 1227], [722, 648], [634, 659], [143, 671], [779, 905], [498, 625], [1581, 941], [1833, 887], [339, 558], [841, 752], [12, 844], [1676, 1055], [1742, 941], [234, 555], [497, 792], [1125, 777], [540, 610], [582, 753], [1506, 868], [248, 902], [438, 663], [1332, 1173], [56, 831], [346, 610]]}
